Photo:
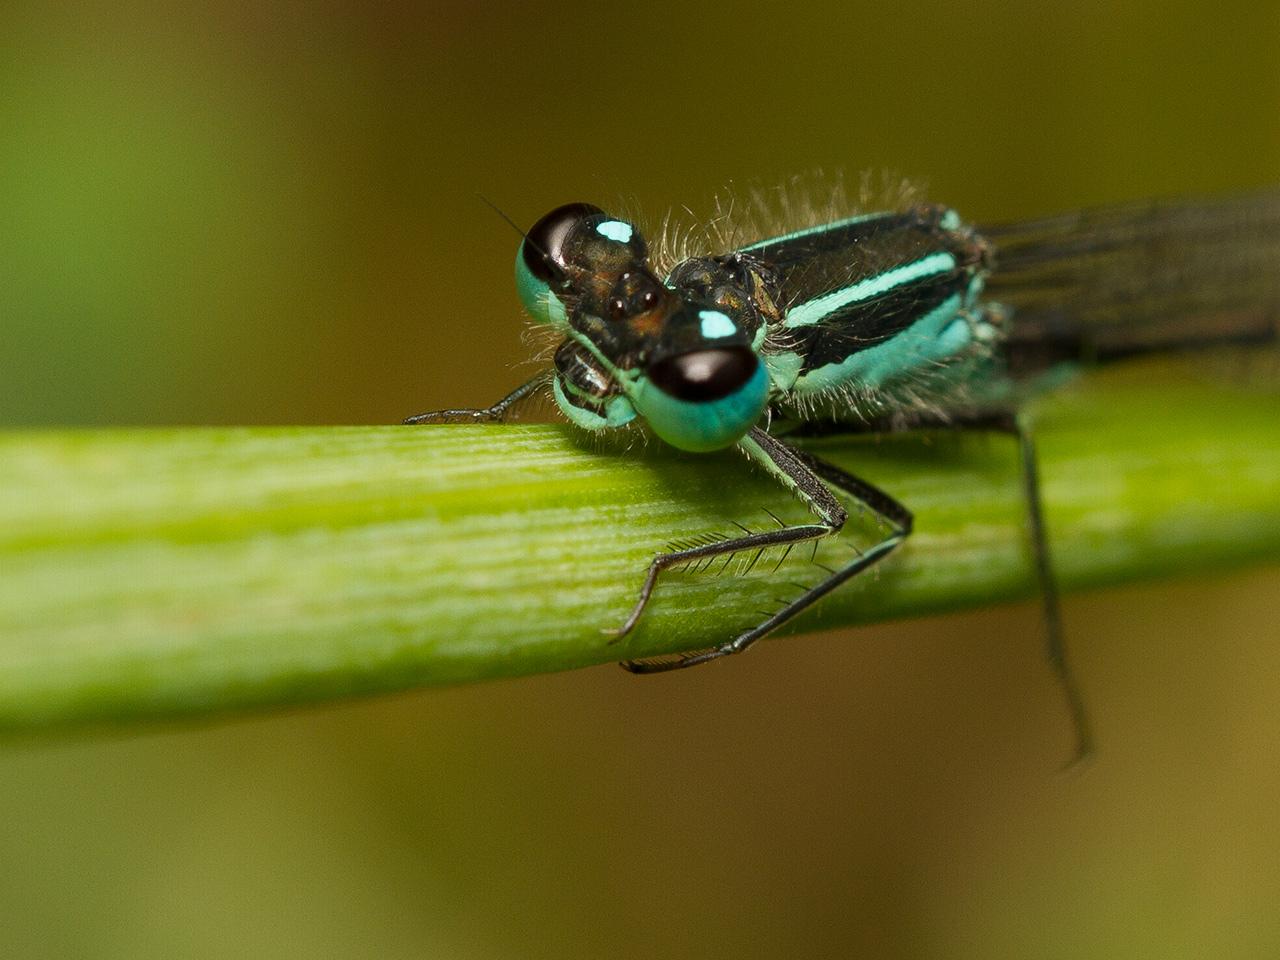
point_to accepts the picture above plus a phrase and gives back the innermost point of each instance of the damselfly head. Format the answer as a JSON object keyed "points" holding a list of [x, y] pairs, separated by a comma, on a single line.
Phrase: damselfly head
{"points": [[575, 249], [681, 355]]}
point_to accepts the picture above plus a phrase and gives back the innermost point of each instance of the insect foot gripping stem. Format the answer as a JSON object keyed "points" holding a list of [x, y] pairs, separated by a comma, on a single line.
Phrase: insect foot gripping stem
{"points": [[494, 414]]}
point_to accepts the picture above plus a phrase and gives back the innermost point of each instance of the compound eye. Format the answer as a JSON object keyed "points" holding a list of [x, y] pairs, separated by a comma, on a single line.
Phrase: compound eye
{"points": [[704, 399], [543, 249], [705, 375]]}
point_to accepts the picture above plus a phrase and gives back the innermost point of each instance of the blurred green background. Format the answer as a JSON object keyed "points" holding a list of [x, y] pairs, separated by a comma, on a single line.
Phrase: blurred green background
{"points": [[266, 213]]}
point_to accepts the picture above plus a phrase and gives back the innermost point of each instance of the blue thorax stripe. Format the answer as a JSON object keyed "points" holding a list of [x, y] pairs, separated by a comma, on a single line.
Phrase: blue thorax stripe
{"points": [[862, 326], [937, 335], [819, 308]]}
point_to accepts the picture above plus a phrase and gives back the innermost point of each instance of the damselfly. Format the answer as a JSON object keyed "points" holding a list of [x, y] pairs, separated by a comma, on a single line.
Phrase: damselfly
{"points": [[884, 321]]}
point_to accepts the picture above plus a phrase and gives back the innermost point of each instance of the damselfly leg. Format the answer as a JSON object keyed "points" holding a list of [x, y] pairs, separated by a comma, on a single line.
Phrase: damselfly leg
{"points": [[1055, 643], [1019, 427], [493, 414], [808, 476]]}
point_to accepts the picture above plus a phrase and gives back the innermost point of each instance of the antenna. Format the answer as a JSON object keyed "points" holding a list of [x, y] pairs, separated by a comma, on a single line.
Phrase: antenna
{"points": [[516, 227], [498, 210]]}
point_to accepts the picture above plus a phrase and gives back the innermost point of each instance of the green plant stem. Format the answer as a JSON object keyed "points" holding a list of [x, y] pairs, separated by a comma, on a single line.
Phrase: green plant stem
{"points": [[160, 572]]}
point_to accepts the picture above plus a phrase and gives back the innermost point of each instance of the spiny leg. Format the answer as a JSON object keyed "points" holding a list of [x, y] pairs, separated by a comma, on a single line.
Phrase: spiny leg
{"points": [[494, 414], [805, 475], [786, 464], [756, 541]]}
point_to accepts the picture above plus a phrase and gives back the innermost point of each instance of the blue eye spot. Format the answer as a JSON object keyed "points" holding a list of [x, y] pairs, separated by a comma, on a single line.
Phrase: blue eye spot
{"points": [[716, 324], [615, 230]]}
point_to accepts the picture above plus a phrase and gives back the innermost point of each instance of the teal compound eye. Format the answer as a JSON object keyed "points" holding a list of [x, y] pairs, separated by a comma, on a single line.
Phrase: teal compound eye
{"points": [[541, 261], [703, 400]]}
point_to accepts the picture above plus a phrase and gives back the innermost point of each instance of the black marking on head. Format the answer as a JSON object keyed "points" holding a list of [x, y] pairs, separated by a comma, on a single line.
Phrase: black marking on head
{"points": [[736, 284], [636, 292]]}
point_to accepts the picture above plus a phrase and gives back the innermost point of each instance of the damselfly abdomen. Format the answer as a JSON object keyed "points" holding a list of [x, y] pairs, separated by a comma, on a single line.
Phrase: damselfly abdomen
{"points": [[880, 321]]}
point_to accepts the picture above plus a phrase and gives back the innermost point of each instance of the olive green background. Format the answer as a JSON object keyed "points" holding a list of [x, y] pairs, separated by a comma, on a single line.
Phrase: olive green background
{"points": [[267, 213]]}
